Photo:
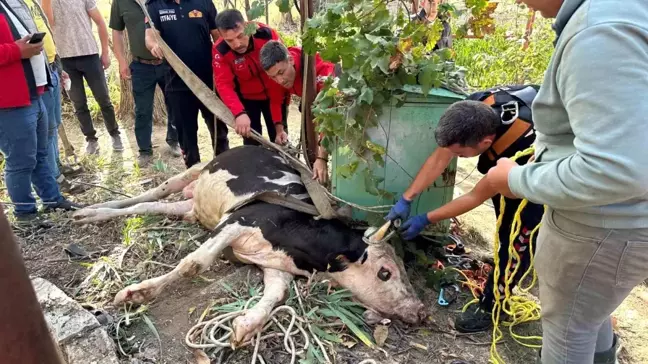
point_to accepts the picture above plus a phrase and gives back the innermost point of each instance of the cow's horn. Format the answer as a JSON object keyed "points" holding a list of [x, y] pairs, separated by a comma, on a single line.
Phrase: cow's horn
{"points": [[380, 234]]}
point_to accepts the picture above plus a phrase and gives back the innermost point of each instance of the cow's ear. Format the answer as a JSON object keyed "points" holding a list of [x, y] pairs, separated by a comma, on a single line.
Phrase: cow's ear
{"points": [[337, 262]]}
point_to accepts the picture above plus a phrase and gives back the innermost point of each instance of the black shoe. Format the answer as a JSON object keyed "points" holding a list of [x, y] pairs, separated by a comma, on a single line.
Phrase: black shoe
{"points": [[67, 187], [32, 220], [65, 205], [475, 319]]}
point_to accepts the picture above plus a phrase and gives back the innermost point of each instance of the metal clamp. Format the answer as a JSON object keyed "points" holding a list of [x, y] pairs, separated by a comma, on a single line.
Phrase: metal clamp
{"points": [[510, 107]]}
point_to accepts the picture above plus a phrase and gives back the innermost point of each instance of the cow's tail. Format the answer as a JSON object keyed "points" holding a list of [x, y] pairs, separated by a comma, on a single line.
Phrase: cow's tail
{"points": [[173, 185]]}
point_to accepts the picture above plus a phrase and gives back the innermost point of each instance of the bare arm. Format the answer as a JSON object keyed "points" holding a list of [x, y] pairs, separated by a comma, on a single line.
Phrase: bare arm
{"points": [[482, 191], [214, 34], [49, 12], [118, 46], [431, 170], [95, 15]]}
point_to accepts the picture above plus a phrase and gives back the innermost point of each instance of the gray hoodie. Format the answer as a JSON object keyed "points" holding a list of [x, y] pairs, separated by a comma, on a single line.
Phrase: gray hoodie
{"points": [[591, 117]]}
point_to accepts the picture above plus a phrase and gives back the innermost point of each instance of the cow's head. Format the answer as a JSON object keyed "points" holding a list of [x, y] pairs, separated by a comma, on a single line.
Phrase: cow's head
{"points": [[378, 280]]}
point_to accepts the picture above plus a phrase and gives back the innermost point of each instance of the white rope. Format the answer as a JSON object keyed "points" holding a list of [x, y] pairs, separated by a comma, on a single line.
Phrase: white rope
{"points": [[206, 332]]}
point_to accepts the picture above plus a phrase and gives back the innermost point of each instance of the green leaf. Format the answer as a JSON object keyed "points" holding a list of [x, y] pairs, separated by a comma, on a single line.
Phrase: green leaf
{"points": [[250, 28], [151, 327], [376, 148], [257, 9], [367, 95], [359, 333], [325, 335], [284, 5]]}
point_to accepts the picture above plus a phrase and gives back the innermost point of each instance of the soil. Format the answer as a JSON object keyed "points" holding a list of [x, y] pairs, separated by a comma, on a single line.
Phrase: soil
{"points": [[163, 242]]}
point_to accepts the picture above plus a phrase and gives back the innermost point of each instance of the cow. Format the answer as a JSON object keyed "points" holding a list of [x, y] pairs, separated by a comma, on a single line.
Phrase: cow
{"points": [[226, 196]]}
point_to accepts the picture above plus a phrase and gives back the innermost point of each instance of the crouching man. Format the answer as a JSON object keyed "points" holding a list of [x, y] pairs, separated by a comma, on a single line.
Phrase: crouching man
{"points": [[284, 66], [492, 124]]}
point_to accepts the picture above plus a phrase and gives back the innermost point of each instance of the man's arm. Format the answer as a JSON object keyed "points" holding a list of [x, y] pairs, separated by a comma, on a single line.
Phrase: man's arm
{"points": [[49, 12], [224, 82], [211, 20], [609, 165], [96, 17], [431, 170], [9, 53], [482, 191]]}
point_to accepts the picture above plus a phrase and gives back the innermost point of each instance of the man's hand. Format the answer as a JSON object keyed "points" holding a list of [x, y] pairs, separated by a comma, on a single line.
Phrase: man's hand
{"points": [[242, 126], [124, 70], [28, 50], [412, 227], [320, 171], [400, 211], [498, 177], [105, 60], [156, 51], [282, 136]]}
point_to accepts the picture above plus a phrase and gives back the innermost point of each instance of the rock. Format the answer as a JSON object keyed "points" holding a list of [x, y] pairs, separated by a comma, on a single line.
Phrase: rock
{"points": [[80, 337], [95, 348], [65, 317]]}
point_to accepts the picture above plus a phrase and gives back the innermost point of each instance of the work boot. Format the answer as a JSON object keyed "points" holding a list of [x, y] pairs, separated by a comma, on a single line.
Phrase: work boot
{"points": [[474, 320], [65, 205], [117, 143], [144, 160], [67, 187], [70, 171], [92, 147], [175, 150]]}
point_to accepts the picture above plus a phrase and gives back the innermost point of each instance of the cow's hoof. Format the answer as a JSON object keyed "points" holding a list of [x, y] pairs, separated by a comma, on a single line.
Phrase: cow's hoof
{"points": [[136, 294], [246, 326], [87, 215]]}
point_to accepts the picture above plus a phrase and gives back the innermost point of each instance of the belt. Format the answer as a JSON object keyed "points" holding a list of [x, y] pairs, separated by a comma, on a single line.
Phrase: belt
{"points": [[155, 62]]}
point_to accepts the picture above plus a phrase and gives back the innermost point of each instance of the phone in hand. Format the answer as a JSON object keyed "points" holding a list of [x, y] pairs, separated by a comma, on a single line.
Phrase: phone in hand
{"points": [[37, 37]]}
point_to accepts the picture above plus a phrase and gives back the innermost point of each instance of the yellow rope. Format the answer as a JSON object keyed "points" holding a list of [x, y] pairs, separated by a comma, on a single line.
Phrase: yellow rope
{"points": [[519, 309]]}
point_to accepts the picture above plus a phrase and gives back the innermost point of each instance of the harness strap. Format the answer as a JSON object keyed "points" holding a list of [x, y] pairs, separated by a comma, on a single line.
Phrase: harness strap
{"points": [[516, 131]]}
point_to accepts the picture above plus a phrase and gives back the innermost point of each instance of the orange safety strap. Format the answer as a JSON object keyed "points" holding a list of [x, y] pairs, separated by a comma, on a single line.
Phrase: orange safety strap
{"points": [[518, 129]]}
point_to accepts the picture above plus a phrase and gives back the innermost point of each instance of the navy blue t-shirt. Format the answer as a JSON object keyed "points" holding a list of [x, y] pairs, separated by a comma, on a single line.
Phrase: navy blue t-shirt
{"points": [[186, 27]]}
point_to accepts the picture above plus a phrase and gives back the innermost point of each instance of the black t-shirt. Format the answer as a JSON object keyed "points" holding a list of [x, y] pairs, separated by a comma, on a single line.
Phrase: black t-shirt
{"points": [[523, 95], [186, 28]]}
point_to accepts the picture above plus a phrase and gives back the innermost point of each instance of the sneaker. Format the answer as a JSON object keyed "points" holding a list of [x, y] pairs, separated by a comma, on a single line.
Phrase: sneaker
{"points": [[65, 205], [32, 220], [117, 143], [473, 320], [175, 150], [92, 147], [68, 187], [144, 160]]}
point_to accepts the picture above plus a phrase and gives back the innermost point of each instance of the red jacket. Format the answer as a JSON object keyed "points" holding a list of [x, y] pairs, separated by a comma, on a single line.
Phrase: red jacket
{"points": [[323, 70], [16, 90], [241, 75]]}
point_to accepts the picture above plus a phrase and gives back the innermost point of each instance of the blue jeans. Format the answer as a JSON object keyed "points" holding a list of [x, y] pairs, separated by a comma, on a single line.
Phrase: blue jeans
{"points": [[52, 101], [23, 141], [145, 77]]}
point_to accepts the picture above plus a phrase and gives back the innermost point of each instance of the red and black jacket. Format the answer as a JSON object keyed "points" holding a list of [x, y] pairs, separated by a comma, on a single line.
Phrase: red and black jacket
{"points": [[323, 70], [18, 82], [241, 75]]}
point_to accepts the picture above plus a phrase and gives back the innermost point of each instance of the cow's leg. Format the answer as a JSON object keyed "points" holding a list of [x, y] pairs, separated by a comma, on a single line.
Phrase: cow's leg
{"points": [[276, 284], [190, 266], [174, 184], [181, 208]]}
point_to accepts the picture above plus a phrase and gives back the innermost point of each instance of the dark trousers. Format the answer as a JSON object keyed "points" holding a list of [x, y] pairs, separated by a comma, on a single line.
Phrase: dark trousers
{"points": [[530, 218], [90, 69], [145, 77], [254, 110], [184, 108]]}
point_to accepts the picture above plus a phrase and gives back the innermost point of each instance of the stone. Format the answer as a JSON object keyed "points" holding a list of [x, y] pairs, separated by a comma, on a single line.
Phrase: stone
{"points": [[94, 348], [65, 317]]}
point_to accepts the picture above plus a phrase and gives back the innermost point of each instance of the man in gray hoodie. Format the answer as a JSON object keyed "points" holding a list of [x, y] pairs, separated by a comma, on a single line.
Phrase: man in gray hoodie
{"points": [[591, 171]]}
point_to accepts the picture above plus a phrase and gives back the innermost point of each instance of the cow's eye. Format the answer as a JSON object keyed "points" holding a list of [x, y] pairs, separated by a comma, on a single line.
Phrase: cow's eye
{"points": [[384, 274]]}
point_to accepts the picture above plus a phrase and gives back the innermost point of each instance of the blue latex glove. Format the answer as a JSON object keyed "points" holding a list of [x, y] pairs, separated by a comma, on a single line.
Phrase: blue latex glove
{"points": [[400, 211], [412, 227]]}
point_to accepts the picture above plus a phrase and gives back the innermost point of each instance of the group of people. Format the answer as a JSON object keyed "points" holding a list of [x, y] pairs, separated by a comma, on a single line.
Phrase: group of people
{"points": [[253, 74]]}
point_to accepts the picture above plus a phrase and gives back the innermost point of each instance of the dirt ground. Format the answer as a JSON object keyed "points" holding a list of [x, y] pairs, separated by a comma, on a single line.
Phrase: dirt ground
{"points": [[145, 247]]}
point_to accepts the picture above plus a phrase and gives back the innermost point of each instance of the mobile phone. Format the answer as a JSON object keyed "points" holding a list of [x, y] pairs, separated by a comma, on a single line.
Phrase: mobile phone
{"points": [[37, 38]]}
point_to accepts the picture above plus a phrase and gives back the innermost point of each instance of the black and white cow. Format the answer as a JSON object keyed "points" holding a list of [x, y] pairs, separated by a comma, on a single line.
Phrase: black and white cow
{"points": [[282, 241]]}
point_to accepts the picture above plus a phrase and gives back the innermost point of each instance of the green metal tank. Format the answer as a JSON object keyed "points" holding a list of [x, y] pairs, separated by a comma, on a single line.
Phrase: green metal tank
{"points": [[407, 133]]}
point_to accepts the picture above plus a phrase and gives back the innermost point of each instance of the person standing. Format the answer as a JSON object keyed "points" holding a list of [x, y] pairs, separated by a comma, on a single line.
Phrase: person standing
{"points": [[590, 171], [188, 27], [23, 119], [145, 72], [71, 22], [241, 82]]}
